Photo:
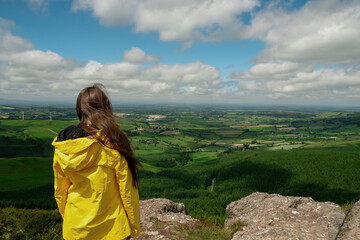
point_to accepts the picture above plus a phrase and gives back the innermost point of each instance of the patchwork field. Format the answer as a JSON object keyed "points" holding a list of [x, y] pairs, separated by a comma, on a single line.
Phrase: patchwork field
{"points": [[186, 150]]}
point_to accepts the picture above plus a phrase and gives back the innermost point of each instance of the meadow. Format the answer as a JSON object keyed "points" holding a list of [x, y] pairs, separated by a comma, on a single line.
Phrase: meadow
{"points": [[202, 156]]}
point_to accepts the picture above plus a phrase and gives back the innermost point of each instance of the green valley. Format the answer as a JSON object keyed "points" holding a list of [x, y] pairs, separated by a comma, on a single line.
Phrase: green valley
{"points": [[203, 156]]}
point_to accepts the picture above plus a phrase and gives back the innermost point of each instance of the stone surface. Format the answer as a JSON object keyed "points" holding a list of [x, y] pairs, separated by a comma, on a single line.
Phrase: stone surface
{"points": [[272, 216], [159, 216], [351, 230]]}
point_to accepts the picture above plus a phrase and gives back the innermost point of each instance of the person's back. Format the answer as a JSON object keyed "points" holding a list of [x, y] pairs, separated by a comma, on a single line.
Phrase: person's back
{"points": [[94, 187]]}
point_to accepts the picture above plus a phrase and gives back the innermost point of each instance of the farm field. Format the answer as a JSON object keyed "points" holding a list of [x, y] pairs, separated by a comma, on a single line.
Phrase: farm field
{"points": [[187, 151]]}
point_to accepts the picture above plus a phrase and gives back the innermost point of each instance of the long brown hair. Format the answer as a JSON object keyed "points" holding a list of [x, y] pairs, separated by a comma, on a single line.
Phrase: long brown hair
{"points": [[95, 113]]}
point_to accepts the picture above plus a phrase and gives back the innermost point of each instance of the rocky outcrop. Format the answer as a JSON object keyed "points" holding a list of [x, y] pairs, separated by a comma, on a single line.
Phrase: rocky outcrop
{"points": [[271, 216], [159, 216], [265, 216], [351, 229]]}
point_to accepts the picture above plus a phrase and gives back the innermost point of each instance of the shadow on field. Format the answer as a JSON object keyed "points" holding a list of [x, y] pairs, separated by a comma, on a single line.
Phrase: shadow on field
{"points": [[11, 146], [250, 177], [321, 192], [40, 197], [253, 177]]}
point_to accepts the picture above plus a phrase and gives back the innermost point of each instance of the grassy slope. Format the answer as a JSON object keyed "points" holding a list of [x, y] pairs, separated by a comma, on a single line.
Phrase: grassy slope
{"points": [[30, 224], [45, 225], [324, 170], [323, 174], [26, 177]]}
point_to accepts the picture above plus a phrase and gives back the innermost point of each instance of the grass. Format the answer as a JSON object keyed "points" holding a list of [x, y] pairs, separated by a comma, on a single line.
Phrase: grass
{"points": [[18, 224], [285, 147], [147, 150], [323, 174], [202, 156], [36, 128], [151, 168], [26, 173], [178, 140], [322, 169], [347, 207], [214, 149], [202, 230]]}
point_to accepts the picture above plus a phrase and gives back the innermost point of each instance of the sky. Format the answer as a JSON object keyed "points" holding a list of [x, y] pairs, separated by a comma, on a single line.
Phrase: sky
{"points": [[192, 51]]}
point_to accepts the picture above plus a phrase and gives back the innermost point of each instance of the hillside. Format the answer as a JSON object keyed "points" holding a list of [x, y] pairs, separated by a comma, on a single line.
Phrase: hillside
{"points": [[202, 157], [257, 216]]}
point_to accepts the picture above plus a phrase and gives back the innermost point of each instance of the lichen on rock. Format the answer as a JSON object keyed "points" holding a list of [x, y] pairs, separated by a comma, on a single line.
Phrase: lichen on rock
{"points": [[159, 216], [272, 216], [352, 227]]}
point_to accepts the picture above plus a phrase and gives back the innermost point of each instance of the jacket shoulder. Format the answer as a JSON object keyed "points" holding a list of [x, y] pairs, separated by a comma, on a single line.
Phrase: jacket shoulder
{"points": [[71, 132]]}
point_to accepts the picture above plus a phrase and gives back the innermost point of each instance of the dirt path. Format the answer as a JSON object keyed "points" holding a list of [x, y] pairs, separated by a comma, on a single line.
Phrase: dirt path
{"points": [[51, 131]]}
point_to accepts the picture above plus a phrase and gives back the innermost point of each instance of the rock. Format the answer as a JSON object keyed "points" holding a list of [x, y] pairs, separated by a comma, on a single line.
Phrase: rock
{"points": [[351, 230], [159, 216], [272, 216], [156, 206]]}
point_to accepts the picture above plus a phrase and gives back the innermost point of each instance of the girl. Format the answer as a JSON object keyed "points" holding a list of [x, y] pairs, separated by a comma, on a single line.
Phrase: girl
{"points": [[96, 174]]}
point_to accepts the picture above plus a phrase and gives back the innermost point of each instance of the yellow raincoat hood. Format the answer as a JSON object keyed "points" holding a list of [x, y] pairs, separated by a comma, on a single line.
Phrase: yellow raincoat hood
{"points": [[77, 154], [94, 191]]}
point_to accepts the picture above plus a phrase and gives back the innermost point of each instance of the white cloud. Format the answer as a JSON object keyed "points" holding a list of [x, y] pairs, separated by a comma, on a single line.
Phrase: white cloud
{"points": [[10, 43], [310, 54], [184, 21], [39, 6], [300, 83], [191, 20], [160, 78], [35, 74], [323, 31], [138, 56], [5, 23], [273, 71], [37, 59], [110, 12], [324, 80]]}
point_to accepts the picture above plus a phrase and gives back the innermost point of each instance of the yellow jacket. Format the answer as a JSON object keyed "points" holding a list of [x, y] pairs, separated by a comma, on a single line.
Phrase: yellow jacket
{"points": [[94, 191]]}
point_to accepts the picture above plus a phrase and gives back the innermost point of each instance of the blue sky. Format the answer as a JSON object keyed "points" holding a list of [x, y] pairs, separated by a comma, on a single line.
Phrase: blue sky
{"points": [[236, 51]]}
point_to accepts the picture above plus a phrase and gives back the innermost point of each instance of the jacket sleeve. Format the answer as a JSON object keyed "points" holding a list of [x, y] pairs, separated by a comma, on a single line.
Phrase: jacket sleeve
{"points": [[129, 195], [61, 185]]}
